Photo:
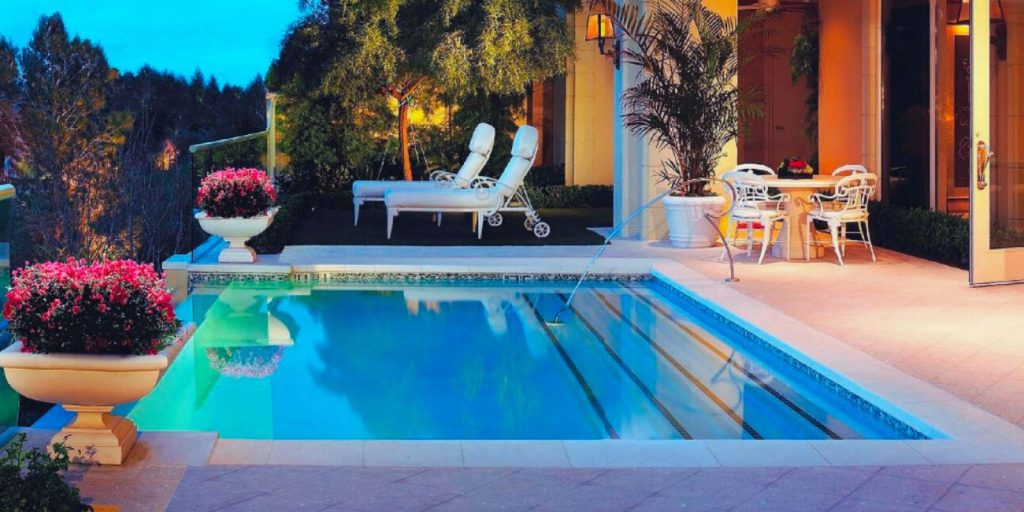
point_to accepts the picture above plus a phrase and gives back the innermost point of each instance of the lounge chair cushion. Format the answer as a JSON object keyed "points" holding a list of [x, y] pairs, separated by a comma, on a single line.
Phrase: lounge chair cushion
{"points": [[376, 189], [464, 198]]}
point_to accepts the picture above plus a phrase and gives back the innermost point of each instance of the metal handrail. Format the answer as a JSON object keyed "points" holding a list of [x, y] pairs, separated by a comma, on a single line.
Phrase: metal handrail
{"points": [[675, 185]]}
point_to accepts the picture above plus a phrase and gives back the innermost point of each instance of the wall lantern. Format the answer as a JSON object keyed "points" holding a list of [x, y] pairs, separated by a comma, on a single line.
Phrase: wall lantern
{"points": [[958, 13], [600, 28]]}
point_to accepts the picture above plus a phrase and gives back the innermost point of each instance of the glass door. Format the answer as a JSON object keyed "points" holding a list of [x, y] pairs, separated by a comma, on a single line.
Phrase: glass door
{"points": [[997, 150]]}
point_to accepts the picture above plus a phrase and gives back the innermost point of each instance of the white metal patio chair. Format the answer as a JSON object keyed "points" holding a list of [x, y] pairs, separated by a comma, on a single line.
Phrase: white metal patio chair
{"points": [[848, 204], [480, 146], [849, 170], [758, 169], [755, 208], [487, 197]]}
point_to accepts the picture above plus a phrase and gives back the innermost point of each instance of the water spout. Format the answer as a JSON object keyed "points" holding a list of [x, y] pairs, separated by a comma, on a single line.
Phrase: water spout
{"points": [[715, 221]]}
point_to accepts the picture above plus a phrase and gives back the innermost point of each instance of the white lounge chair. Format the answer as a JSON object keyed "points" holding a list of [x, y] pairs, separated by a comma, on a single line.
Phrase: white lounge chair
{"points": [[480, 146], [488, 198]]}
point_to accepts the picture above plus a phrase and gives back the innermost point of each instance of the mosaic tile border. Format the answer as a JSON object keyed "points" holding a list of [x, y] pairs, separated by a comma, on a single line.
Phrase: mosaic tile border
{"points": [[853, 399], [197, 279]]}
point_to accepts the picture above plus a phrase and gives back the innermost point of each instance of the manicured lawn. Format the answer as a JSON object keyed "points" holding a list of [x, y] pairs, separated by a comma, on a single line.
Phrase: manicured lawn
{"points": [[334, 227]]}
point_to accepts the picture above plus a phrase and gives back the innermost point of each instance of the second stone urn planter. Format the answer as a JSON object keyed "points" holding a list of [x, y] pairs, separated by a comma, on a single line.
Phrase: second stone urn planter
{"points": [[236, 231]]}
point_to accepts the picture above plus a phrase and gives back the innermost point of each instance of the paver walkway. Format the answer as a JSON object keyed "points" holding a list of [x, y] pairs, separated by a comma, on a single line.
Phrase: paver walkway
{"points": [[277, 488]]}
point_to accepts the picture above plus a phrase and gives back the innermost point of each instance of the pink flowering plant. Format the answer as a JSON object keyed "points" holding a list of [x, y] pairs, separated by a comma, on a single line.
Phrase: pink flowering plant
{"points": [[111, 307], [236, 193]]}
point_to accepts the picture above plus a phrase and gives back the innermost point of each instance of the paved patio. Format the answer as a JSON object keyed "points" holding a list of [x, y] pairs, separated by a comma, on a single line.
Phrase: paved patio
{"points": [[917, 316], [258, 488]]}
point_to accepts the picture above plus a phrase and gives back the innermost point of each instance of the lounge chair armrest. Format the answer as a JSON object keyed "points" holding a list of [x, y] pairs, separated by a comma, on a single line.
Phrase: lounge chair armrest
{"points": [[483, 182], [819, 200], [442, 175]]}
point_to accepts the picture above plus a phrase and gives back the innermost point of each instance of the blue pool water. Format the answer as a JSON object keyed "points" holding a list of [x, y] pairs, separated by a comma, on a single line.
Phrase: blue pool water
{"points": [[459, 360]]}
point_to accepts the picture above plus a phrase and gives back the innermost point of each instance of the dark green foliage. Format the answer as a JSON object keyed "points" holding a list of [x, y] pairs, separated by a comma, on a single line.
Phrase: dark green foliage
{"points": [[32, 481], [294, 208], [546, 176], [577, 196], [924, 233], [345, 64], [100, 159], [805, 63]]}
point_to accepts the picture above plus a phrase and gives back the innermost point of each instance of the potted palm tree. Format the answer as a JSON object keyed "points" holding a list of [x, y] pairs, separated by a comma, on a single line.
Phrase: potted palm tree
{"points": [[686, 101]]}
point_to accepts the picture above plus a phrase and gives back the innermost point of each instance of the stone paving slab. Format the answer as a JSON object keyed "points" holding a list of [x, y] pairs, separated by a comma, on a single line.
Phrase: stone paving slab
{"points": [[277, 488]]}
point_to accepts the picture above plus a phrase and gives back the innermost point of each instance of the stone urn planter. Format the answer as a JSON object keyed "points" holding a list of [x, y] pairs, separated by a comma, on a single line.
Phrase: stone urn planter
{"points": [[688, 226], [236, 231], [90, 336], [89, 385], [236, 204]]}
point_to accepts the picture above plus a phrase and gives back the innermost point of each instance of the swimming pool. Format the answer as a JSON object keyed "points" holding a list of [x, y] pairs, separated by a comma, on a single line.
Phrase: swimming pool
{"points": [[482, 360]]}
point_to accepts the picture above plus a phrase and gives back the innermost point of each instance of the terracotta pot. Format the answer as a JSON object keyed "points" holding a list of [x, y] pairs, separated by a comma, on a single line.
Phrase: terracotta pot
{"points": [[90, 385], [237, 231], [687, 225]]}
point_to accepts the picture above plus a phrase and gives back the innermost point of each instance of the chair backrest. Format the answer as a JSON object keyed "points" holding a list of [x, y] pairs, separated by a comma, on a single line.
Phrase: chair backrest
{"points": [[757, 169], [856, 191], [750, 189], [480, 146], [524, 151], [849, 170]]}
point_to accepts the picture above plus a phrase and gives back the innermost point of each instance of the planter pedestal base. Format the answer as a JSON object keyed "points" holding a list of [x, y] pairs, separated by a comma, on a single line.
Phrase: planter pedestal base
{"points": [[237, 252], [97, 437]]}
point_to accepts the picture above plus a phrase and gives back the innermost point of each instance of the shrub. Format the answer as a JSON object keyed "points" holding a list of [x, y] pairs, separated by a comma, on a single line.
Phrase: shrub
{"points": [[236, 193], [31, 480], [924, 233], [113, 307], [292, 210], [572, 196], [546, 176]]}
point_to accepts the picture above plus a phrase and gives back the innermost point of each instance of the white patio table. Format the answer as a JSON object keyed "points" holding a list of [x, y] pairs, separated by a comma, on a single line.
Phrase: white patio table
{"points": [[791, 241]]}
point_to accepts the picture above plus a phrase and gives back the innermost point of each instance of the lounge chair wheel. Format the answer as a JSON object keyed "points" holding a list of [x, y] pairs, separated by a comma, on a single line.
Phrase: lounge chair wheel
{"points": [[529, 224], [495, 219], [541, 230]]}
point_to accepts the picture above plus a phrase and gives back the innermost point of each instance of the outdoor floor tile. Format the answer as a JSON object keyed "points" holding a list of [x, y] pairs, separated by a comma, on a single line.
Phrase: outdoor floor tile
{"points": [[396, 497], [784, 499], [458, 480], [995, 476], [943, 474], [901, 491], [859, 505], [963, 498], [827, 480], [594, 498], [645, 480]]}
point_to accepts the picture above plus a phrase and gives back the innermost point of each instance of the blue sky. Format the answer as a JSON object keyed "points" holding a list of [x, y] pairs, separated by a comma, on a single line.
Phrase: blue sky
{"points": [[231, 39]]}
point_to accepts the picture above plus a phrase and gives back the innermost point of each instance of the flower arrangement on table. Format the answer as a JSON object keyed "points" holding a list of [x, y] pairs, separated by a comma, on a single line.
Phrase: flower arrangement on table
{"points": [[795, 168], [237, 205], [234, 192], [112, 307], [255, 362]]}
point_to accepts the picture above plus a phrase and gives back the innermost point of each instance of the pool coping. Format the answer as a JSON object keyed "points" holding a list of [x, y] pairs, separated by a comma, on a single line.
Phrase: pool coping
{"points": [[973, 436]]}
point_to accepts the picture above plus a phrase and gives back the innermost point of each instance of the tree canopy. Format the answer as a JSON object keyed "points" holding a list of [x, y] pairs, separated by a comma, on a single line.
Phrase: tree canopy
{"points": [[345, 58]]}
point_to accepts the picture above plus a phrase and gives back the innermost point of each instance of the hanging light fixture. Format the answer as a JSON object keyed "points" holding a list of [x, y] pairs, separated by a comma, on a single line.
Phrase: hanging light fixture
{"points": [[958, 12], [601, 28]]}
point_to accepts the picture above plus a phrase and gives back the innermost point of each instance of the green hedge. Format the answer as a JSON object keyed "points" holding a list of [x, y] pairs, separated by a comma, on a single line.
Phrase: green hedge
{"points": [[574, 196], [293, 209], [924, 233]]}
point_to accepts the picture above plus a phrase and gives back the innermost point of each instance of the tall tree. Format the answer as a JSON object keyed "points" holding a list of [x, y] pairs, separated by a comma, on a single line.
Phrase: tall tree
{"points": [[356, 49]]}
